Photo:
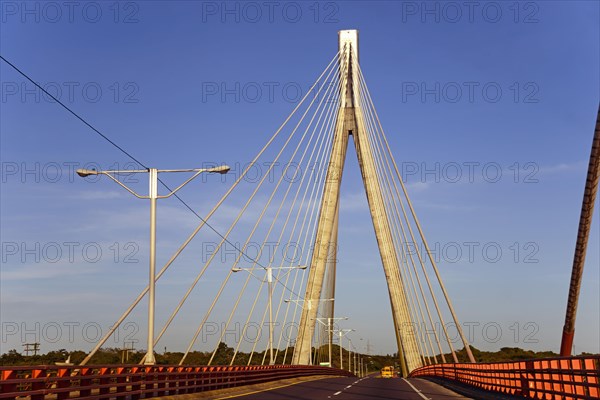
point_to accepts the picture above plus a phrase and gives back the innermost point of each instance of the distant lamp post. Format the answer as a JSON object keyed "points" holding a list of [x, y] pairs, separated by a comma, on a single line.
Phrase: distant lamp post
{"points": [[329, 326], [341, 334], [270, 300], [309, 307], [153, 196], [350, 347]]}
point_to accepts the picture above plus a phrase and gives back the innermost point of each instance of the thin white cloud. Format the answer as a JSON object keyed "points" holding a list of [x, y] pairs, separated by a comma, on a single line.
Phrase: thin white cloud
{"points": [[98, 195], [563, 167], [417, 187], [356, 201], [45, 270]]}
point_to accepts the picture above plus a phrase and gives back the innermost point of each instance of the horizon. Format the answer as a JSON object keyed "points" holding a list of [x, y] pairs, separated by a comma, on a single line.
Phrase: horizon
{"points": [[490, 122]]}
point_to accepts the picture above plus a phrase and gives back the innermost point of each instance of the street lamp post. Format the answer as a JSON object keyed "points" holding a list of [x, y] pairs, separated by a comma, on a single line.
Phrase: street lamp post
{"points": [[152, 196], [342, 333], [349, 355], [270, 301], [309, 307], [329, 326]]}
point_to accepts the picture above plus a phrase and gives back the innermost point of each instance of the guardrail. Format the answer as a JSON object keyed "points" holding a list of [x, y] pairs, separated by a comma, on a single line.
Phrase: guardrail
{"points": [[139, 381], [551, 378]]}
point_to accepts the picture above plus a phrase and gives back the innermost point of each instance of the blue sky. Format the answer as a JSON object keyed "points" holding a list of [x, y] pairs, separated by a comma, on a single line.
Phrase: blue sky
{"points": [[505, 93]]}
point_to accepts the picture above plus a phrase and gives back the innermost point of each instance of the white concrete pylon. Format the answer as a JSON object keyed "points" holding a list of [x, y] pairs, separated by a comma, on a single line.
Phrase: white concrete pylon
{"points": [[350, 122]]}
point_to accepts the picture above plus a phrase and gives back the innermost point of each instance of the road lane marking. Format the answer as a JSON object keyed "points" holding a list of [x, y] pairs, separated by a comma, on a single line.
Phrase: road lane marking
{"points": [[415, 389], [336, 393], [274, 388]]}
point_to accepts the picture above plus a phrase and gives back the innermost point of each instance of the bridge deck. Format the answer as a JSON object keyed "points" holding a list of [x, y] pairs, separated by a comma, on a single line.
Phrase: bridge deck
{"points": [[371, 387]]}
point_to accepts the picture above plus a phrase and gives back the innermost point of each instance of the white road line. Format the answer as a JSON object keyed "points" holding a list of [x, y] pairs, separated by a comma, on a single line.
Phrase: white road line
{"points": [[415, 389], [336, 393], [348, 387]]}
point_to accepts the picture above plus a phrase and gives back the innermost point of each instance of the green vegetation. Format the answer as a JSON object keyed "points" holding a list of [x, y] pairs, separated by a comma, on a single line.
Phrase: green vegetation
{"points": [[109, 356], [504, 354], [224, 354]]}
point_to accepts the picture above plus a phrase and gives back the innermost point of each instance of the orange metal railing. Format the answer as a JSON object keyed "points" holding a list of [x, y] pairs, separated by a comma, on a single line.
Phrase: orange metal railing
{"points": [[139, 381], [565, 378]]}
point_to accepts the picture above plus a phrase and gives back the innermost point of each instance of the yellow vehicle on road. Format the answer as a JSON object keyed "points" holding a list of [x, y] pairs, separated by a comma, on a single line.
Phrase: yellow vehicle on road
{"points": [[387, 372]]}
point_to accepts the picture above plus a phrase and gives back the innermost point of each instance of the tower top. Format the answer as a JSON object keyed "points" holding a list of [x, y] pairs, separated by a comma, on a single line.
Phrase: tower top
{"points": [[350, 37]]}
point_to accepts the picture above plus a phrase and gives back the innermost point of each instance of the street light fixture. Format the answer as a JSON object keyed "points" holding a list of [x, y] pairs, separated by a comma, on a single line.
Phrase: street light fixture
{"points": [[329, 326], [342, 333], [308, 302], [269, 270], [309, 307], [349, 355], [152, 196]]}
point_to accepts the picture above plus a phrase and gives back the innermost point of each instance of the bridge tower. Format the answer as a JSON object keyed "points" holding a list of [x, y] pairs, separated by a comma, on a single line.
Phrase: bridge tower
{"points": [[350, 122]]}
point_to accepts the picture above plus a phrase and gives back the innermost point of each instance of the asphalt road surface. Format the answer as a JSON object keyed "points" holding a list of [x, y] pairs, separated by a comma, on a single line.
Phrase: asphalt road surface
{"points": [[371, 388]]}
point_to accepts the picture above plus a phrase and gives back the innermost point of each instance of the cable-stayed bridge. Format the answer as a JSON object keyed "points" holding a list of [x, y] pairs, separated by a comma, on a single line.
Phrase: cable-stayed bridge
{"points": [[280, 285]]}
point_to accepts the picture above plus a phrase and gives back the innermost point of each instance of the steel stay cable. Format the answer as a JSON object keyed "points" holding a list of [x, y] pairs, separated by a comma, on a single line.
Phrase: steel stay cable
{"points": [[391, 205], [329, 114], [320, 312], [311, 209], [266, 206], [307, 324], [300, 162], [396, 216], [224, 237], [427, 279], [290, 185], [204, 221], [407, 306], [447, 298], [313, 204], [418, 253], [322, 153], [396, 221], [398, 300], [239, 216]]}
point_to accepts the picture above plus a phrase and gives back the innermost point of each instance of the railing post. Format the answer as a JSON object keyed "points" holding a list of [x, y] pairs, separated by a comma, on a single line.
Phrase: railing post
{"points": [[136, 378], [85, 382], [104, 379], [120, 383], [150, 380], [526, 379], [62, 382], [161, 379], [6, 385], [40, 385], [593, 377]]}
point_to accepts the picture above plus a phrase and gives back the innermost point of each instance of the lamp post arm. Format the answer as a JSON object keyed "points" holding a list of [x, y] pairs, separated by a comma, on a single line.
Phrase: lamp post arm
{"points": [[182, 185], [250, 271], [123, 185]]}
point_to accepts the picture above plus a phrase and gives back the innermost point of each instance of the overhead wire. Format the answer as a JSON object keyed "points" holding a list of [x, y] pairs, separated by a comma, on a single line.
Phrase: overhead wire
{"points": [[203, 220], [388, 176]]}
